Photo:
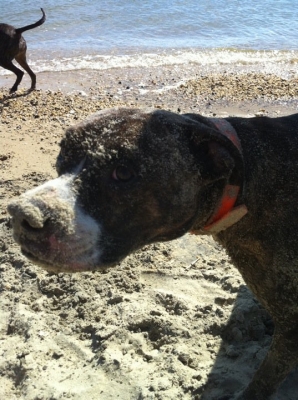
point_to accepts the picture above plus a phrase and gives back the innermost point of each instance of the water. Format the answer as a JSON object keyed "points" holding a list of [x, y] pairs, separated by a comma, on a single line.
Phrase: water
{"points": [[116, 33]]}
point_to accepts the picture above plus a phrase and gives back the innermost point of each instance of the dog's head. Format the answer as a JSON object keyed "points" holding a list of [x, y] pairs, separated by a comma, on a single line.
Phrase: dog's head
{"points": [[126, 178]]}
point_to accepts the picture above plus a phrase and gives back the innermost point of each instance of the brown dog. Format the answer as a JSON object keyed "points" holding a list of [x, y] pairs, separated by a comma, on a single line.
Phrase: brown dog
{"points": [[13, 46], [129, 177]]}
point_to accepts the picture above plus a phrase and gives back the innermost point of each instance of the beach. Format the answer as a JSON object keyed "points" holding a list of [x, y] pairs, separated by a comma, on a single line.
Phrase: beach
{"points": [[172, 321]]}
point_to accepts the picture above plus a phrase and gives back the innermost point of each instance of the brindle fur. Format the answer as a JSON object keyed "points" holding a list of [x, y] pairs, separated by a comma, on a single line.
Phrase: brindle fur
{"points": [[181, 164]]}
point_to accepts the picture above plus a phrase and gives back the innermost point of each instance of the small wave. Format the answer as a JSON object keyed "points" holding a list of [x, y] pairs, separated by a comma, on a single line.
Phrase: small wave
{"points": [[268, 61]]}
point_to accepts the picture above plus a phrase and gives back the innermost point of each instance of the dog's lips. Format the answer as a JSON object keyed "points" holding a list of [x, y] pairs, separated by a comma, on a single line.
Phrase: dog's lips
{"points": [[57, 260], [29, 255], [56, 266]]}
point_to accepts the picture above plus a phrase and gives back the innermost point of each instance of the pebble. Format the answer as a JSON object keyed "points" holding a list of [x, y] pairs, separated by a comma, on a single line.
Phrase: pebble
{"points": [[238, 87], [228, 86], [50, 106]]}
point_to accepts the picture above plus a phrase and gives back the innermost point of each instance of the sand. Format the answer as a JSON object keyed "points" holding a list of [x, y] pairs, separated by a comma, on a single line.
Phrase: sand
{"points": [[173, 321]]}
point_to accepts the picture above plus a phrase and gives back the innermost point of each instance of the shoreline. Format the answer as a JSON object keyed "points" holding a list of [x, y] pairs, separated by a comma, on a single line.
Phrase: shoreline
{"points": [[282, 62]]}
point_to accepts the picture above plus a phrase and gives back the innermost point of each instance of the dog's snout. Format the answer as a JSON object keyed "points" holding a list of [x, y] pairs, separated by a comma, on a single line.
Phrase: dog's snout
{"points": [[26, 214], [44, 211], [52, 229]]}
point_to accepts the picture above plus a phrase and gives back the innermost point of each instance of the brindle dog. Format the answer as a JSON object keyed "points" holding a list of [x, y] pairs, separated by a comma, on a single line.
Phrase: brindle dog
{"points": [[129, 177], [13, 46]]}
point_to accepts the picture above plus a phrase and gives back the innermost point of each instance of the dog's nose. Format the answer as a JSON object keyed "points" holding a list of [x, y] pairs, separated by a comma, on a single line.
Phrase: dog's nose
{"points": [[43, 211], [27, 214]]}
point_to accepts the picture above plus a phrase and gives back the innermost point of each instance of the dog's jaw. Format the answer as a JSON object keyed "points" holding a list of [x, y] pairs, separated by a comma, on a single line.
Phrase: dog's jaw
{"points": [[53, 230]]}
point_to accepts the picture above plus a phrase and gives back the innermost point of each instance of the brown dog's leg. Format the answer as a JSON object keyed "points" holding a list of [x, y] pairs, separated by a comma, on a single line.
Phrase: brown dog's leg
{"points": [[22, 60], [280, 359], [19, 73]]}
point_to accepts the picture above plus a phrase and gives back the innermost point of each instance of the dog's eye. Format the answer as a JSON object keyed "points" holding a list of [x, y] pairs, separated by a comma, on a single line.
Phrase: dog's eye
{"points": [[123, 174]]}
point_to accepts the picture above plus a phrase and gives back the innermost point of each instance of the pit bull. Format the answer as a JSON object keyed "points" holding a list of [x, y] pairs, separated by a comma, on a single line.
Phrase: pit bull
{"points": [[130, 177]]}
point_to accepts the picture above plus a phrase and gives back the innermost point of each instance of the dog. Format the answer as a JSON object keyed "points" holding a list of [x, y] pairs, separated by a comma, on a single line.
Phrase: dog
{"points": [[13, 46], [130, 177]]}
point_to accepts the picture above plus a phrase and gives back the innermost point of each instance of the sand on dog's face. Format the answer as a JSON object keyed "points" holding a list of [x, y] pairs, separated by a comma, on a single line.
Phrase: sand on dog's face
{"points": [[89, 218], [71, 235]]}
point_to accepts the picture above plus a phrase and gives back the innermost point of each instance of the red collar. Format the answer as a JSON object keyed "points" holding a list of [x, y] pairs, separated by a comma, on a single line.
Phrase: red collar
{"points": [[225, 214]]}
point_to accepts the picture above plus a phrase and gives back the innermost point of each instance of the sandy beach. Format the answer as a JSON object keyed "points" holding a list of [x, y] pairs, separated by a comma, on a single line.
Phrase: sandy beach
{"points": [[173, 321]]}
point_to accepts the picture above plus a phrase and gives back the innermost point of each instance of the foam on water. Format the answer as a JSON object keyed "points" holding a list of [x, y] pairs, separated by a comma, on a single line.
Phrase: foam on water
{"points": [[279, 62]]}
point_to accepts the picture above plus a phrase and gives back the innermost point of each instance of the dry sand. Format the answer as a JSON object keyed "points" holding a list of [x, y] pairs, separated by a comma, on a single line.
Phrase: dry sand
{"points": [[173, 321]]}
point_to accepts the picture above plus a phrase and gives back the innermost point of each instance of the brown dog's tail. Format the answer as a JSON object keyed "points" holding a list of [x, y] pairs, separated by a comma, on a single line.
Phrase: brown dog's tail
{"points": [[32, 26]]}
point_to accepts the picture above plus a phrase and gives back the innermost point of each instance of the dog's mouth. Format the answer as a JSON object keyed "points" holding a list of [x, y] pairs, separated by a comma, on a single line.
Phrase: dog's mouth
{"points": [[38, 261], [56, 262]]}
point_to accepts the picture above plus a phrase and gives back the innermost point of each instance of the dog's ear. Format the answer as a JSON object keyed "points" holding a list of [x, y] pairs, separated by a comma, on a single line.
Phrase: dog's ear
{"points": [[214, 161], [215, 154]]}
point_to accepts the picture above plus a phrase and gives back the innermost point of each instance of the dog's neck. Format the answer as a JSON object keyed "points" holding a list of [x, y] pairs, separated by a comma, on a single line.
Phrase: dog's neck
{"points": [[225, 213]]}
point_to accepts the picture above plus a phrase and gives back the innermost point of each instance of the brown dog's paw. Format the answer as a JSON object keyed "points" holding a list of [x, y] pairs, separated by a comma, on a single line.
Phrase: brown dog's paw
{"points": [[12, 90]]}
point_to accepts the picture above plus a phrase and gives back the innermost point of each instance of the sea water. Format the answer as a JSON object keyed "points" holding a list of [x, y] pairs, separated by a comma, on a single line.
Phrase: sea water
{"points": [[105, 34]]}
